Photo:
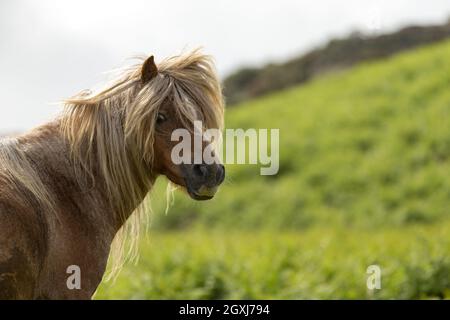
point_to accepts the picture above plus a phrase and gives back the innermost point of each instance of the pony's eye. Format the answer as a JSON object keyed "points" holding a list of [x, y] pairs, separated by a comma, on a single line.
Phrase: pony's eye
{"points": [[160, 118]]}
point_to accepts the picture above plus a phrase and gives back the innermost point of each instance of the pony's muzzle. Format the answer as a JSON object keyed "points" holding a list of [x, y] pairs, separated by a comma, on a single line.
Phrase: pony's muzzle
{"points": [[203, 180]]}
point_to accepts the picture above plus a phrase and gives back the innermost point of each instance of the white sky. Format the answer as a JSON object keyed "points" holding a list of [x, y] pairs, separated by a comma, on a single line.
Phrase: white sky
{"points": [[51, 49]]}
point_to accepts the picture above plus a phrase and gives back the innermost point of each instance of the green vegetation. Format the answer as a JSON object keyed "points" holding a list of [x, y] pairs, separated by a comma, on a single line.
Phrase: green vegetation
{"points": [[364, 179], [324, 263]]}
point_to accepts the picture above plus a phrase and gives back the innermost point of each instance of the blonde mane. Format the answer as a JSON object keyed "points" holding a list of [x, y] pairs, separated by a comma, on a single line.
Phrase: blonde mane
{"points": [[113, 130]]}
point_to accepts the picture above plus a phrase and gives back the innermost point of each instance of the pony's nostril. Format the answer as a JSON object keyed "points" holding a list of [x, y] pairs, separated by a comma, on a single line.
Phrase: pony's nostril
{"points": [[200, 170], [220, 175], [211, 173]]}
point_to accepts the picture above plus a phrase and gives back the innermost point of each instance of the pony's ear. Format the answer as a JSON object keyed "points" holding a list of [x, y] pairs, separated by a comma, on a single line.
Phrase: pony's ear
{"points": [[149, 70]]}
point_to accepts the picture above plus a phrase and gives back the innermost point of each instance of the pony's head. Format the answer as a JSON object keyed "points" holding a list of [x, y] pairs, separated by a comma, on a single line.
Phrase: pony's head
{"points": [[125, 131], [180, 92]]}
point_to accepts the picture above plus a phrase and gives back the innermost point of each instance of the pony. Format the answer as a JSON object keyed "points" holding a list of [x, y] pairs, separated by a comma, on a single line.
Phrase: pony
{"points": [[74, 191]]}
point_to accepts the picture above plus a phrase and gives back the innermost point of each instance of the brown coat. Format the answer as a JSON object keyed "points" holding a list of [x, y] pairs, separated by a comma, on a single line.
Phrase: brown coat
{"points": [[37, 248]]}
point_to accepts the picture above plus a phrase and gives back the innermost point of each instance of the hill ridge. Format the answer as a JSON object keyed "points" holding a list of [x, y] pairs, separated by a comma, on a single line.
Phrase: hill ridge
{"points": [[248, 83]]}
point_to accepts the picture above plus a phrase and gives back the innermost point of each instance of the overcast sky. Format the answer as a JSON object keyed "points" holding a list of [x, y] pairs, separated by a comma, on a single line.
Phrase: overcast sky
{"points": [[51, 49]]}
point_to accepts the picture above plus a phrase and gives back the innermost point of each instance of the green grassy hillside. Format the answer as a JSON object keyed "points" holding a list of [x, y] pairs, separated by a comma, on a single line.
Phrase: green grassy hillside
{"points": [[364, 179], [367, 147]]}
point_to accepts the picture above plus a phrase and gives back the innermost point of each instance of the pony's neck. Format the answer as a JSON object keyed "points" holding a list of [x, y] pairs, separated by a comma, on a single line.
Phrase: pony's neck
{"points": [[101, 152], [101, 202], [122, 181]]}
